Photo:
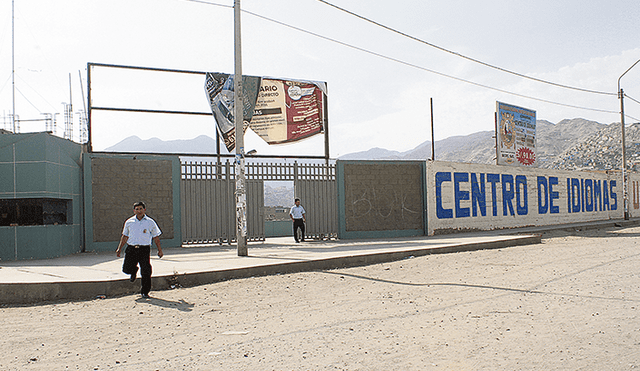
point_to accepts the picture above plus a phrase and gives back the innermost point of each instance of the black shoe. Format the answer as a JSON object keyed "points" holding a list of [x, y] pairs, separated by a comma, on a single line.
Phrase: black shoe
{"points": [[133, 278], [145, 296], [297, 241]]}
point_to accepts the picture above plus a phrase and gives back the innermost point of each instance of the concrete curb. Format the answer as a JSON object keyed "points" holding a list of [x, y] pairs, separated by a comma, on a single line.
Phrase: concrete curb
{"points": [[30, 293]]}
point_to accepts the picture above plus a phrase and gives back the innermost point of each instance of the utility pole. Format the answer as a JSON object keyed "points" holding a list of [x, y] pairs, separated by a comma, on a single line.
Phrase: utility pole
{"points": [[433, 145], [13, 64], [625, 187], [625, 195], [241, 196]]}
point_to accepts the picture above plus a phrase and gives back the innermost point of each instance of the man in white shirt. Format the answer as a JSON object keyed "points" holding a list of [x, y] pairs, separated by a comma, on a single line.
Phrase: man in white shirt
{"points": [[298, 215], [138, 232]]}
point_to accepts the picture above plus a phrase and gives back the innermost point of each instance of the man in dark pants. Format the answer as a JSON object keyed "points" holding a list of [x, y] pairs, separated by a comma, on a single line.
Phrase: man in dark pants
{"points": [[138, 232], [298, 215]]}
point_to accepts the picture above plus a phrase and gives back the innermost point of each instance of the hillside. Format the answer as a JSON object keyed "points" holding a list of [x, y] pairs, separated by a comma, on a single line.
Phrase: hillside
{"points": [[552, 140], [601, 150]]}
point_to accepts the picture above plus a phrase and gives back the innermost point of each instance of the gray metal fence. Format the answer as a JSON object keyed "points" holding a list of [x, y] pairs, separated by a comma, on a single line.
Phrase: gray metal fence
{"points": [[208, 204], [208, 201]]}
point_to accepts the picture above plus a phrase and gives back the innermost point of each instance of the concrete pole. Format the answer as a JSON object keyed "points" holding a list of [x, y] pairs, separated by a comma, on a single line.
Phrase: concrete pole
{"points": [[13, 64], [241, 197], [433, 145], [625, 187], [625, 195]]}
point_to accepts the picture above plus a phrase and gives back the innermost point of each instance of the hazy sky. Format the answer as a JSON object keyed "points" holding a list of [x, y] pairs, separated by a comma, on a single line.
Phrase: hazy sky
{"points": [[379, 82]]}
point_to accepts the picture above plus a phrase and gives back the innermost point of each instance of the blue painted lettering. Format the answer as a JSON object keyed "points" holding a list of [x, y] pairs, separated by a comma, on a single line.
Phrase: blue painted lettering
{"points": [[605, 196], [493, 179], [459, 195], [553, 195], [575, 195], [543, 203], [521, 183], [614, 196], [507, 194], [478, 195], [569, 195], [441, 212], [597, 195], [588, 195]]}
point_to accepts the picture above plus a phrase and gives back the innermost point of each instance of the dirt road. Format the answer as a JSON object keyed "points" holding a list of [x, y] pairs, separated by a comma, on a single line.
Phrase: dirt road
{"points": [[570, 303]]}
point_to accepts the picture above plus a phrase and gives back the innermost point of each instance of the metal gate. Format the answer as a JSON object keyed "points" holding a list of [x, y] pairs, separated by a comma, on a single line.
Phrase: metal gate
{"points": [[208, 204], [316, 188], [208, 200]]}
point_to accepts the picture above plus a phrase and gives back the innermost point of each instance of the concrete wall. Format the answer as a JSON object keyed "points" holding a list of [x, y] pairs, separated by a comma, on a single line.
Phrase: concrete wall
{"points": [[114, 182], [278, 228], [40, 165], [380, 198], [483, 197], [634, 195]]}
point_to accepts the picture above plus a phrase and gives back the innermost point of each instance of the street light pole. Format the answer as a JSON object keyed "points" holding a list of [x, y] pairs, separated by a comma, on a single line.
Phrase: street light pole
{"points": [[241, 197], [625, 186]]}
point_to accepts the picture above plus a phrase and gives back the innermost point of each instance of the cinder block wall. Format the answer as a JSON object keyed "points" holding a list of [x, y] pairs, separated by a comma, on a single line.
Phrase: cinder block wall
{"points": [[384, 198], [117, 182]]}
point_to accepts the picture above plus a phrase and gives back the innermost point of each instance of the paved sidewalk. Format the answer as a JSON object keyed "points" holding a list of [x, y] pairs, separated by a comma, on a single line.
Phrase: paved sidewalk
{"points": [[88, 275]]}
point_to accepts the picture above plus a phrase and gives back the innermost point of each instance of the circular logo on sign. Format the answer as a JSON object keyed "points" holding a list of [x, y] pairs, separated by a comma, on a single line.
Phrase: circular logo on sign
{"points": [[525, 156], [295, 92]]}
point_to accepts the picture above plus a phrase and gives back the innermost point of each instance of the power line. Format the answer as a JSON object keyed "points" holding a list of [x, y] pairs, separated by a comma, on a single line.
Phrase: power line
{"points": [[35, 91], [420, 67], [27, 99], [625, 94], [464, 56], [208, 3], [423, 68], [5, 83]]}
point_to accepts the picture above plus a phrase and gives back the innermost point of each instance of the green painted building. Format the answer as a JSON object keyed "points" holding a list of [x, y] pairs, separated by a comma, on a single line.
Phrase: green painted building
{"points": [[40, 196]]}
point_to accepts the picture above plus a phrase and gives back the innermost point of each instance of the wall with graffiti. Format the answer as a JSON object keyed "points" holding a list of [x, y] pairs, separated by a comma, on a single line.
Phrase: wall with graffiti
{"points": [[380, 198]]}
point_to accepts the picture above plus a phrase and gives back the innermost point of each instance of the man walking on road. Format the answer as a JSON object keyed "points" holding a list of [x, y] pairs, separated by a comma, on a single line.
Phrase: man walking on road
{"points": [[297, 214], [137, 234]]}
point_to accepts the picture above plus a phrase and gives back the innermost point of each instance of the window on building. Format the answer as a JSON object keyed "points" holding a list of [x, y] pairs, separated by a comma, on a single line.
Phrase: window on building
{"points": [[34, 211]]}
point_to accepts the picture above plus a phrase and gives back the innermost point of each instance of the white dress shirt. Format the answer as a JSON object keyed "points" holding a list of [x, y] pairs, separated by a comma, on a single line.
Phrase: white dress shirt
{"points": [[140, 232], [297, 212]]}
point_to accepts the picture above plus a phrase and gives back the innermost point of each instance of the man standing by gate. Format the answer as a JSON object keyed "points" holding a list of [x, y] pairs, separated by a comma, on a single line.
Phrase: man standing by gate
{"points": [[297, 214]]}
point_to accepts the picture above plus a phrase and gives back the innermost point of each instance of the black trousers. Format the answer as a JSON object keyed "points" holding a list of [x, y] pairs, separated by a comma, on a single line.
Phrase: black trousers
{"points": [[139, 256], [298, 223]]}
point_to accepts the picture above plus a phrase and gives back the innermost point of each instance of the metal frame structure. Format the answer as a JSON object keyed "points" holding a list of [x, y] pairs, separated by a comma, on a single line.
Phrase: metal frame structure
{"points": [[91, 108], [211, 183]]}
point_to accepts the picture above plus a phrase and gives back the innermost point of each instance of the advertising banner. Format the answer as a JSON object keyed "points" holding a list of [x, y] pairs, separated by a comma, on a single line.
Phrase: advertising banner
{"points": [[220, 93], [278, 110], [516, 135]]}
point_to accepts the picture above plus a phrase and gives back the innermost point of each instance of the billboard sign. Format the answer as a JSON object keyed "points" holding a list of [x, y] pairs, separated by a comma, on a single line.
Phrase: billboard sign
{"points": [[515, 135], [278, 110]]}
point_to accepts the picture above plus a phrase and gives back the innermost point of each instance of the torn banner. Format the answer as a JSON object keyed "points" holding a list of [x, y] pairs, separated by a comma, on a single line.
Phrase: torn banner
{"points": [[279, 111]]}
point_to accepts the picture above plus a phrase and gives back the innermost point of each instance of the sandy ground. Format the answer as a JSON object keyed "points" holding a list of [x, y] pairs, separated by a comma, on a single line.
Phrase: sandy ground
{"points": [[570, 303]]}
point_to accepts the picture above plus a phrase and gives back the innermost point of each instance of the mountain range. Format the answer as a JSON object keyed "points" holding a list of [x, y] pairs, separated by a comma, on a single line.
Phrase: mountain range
{"points": [[570, 144], [552, 141], [202, 144]]}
